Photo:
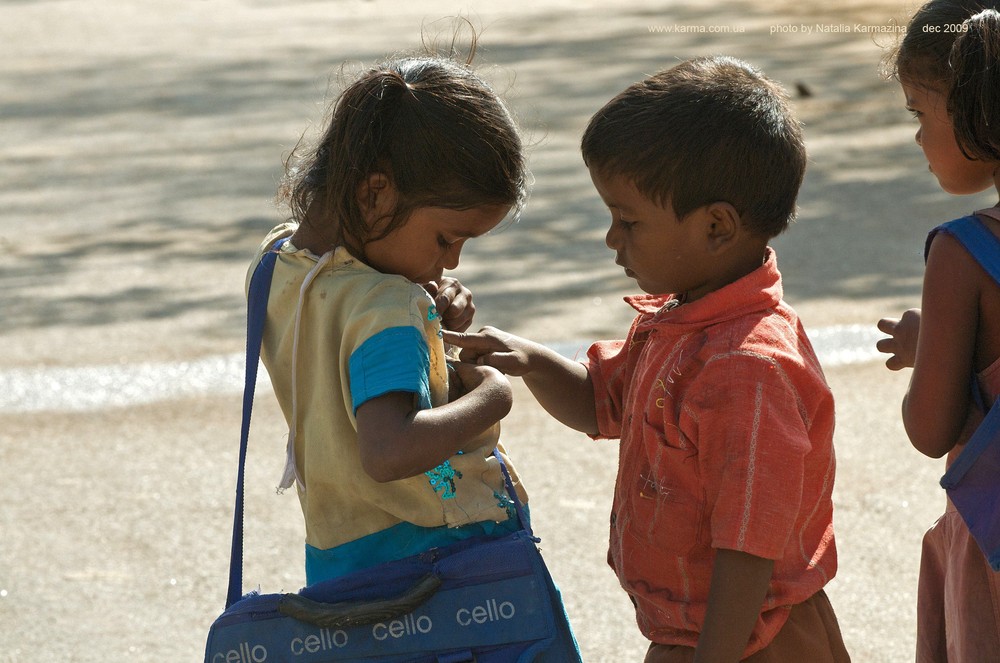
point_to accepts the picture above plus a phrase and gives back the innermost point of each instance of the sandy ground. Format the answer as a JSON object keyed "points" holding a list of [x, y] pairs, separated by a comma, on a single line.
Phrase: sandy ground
{"points": [[141, 147]]}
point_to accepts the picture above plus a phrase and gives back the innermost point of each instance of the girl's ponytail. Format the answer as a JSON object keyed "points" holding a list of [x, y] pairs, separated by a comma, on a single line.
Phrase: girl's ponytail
{"points": [[974, 97]]}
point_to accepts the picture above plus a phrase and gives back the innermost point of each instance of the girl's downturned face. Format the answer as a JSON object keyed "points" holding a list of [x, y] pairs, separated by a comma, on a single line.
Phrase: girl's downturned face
{"points": [[956, 173], [430, 241]]}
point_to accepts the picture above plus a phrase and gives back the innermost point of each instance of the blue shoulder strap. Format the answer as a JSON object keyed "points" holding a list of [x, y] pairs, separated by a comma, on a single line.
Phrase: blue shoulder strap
{"points": [[977, 239], [260, 286]]}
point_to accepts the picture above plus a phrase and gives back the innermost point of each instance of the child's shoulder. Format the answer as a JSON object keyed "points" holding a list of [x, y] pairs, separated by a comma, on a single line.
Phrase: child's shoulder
{"points": [[979, 236], [765, 341], [982, 226]]}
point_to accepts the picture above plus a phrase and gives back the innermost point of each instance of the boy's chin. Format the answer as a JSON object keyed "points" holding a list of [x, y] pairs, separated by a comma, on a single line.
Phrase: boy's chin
{"points": [[648, 288], [654, 291]]}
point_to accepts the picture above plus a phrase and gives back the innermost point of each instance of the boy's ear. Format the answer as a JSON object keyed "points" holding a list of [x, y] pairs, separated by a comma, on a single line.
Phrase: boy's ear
{"points": [[722, 225], [376, 197]]}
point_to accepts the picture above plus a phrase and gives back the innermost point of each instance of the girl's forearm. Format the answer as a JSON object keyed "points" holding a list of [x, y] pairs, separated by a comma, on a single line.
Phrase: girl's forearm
{"points": [[398, 441]]}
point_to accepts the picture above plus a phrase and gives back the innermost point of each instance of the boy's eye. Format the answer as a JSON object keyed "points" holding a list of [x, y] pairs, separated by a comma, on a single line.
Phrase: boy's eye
{"points": [[915, 113]]}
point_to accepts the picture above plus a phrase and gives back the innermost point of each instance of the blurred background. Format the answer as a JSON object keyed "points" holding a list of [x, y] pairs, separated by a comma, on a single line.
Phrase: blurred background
{"points": [[141, 148]]}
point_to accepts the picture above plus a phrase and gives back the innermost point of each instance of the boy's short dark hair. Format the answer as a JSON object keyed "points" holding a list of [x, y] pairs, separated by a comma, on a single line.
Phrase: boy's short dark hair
{"points": [[708, 130]]}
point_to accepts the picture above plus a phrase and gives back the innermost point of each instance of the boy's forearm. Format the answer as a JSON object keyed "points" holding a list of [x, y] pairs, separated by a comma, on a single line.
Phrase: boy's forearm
{"points": [[564, 388], [739, 586]]}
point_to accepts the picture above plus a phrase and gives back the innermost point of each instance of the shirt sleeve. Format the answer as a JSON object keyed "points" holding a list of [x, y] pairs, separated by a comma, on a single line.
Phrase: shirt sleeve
{"points": [[606, 361], [387, 344], [394, 359], [753, 438]]}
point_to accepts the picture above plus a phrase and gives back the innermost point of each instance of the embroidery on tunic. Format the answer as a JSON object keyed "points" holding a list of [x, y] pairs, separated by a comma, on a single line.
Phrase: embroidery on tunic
{"points": [[442, 479], [504, 502]]}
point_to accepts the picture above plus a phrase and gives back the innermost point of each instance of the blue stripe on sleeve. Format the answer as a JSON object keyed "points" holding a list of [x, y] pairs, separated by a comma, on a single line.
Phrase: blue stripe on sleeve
{"points": [[395, 359]]}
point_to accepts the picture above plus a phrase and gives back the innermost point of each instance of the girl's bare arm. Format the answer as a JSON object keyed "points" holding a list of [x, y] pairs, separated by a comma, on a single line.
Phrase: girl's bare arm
{"points": [[936, 405], [398, 441]]}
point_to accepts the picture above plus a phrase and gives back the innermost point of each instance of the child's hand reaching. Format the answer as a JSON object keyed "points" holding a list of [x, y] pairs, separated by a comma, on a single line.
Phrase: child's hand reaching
{"points": [[562, 386], [454, 303], [902, 344], [489, 346]]}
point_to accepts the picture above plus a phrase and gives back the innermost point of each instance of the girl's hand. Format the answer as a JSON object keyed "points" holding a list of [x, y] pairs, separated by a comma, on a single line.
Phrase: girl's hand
{"points": [[485, 385], [492, 347], [471, 376], [464, 377], [454, 303], [902, 344]]}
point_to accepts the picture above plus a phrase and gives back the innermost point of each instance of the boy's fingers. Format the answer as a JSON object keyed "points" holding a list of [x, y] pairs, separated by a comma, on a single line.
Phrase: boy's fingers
{"points": [[473, 345], [459, 339], [470, 340]]}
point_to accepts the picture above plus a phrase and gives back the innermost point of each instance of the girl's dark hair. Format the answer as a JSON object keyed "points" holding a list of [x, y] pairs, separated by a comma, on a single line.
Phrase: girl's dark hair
{"points": [[707, 130], [953, 46], [974, 100], [429, 124]]}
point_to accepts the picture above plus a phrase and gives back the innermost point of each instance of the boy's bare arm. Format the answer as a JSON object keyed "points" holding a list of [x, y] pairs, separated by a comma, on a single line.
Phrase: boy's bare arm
{"points": [[739, 585], [562, 386]]}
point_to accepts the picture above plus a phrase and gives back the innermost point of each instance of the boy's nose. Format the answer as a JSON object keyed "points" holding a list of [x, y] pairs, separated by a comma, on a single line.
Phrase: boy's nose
{"points": [[917, 136], [612, 237]]}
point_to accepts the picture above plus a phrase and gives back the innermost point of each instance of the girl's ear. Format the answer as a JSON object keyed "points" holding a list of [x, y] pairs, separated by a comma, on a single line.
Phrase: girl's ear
{"points": [[722, 225], [376, 198]]}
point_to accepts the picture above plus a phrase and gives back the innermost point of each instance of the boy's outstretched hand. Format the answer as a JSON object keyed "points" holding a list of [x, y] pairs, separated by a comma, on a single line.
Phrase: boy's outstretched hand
{"points": [[490, 346], [902, 344], [562, 386]]}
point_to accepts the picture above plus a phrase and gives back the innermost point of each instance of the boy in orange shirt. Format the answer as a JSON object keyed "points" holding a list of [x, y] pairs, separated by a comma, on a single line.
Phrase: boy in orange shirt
{"points": [[722, 521]]}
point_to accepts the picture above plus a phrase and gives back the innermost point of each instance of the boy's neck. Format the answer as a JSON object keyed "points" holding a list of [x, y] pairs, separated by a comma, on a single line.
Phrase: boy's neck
{"points": [[735, 265]]}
